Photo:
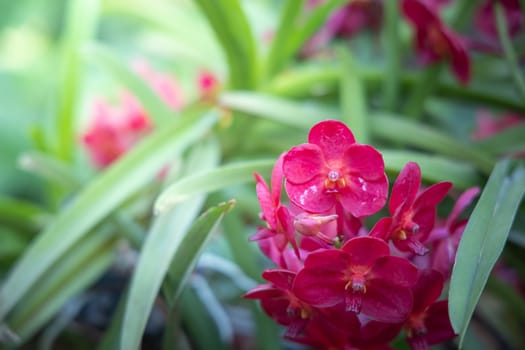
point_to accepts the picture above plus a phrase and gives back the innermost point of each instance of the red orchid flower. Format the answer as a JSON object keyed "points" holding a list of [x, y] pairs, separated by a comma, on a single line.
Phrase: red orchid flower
{"points": [[279, 300], [445, 237], [362, 276], [333, 168], [485, 18], [428, 322], [278, 218], [413, 214], [434, 41]]}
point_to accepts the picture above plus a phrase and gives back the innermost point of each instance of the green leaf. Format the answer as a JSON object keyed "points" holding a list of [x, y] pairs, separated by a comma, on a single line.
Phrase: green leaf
{"points": [[406, 132], [103, 195], [392, 42], [234, 33], [82, 17], [208, 181], [22, 215], [77, 269], [191, 247], [277, 55], [164, 239], [298, 114], [159, 111], [174, 240], [483, 241], [507, 141], [201, 327], [50, 168], [433, 168], [508, 49], [353, 99], [312, 24]]}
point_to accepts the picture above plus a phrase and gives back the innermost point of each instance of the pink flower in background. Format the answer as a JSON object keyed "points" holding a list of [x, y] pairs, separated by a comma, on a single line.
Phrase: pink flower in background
{"points": [[113, 130], [346, 22], [445, 236], [165, 86], [333, 168], [488, 124], [208, 85], [434, 41], [485, 19]]}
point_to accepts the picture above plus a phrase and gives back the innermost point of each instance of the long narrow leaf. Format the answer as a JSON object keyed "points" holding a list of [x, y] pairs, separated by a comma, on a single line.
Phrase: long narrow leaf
{"points": [[506, 141], [433, 168], [353, 99], [164, 239], [399, 130], [98, 199], [483, 241], [170, 238], [234, 33], [298, 114], [208, 181], [80, 27], [277, 55]]}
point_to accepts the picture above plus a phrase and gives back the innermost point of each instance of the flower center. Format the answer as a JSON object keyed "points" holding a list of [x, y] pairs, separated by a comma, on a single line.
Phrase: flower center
{"points": [[334, 181], [437, 41]]}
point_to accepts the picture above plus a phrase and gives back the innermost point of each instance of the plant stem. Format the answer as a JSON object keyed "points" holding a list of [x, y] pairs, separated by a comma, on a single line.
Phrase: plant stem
{"points": [[510, 54]]}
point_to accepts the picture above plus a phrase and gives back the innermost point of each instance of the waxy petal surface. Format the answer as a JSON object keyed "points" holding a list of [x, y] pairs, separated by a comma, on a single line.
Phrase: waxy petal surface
{"points": [[333, 137]]}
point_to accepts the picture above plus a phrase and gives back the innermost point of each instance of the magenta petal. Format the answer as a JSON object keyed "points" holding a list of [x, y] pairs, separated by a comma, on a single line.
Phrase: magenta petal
{"points": [[280, 278], [424, 218], [321, 283], [411, 244], [265, 201], [262, 233], [364, 161], [277, 308], [405, 187], [263, 291], [459, 58], [463, 201], [438, 323], [385, 302], [419, 13], [433, 195], [395, 270], [381, 229], [286, 222], [362, 198], [427, 289], [319, 290], [333, 137], [277, 179], [310, 196], [364, 251], [302, 163]]}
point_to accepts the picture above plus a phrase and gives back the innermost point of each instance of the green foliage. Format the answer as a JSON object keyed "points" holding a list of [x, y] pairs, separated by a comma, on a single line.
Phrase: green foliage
{"points": [[483, 241]]}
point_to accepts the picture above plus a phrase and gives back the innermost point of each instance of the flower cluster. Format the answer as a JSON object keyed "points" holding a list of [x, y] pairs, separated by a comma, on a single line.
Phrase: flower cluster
{"points": [[434, 40], [114, 129], [337, 284]]}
